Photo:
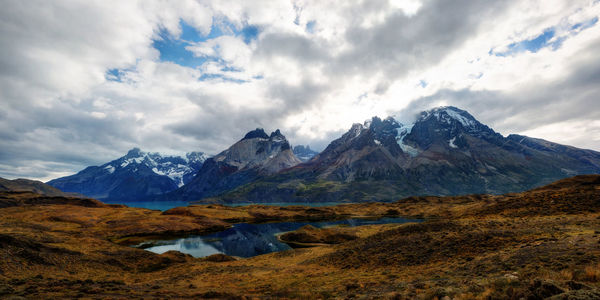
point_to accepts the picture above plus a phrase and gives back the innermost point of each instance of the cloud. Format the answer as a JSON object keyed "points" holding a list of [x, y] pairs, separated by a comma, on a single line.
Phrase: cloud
{"points": [[402, 43], [82, 82], [564, 110]]}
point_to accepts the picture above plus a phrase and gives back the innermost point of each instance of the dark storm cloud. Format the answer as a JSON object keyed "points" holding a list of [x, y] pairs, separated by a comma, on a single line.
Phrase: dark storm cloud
{"points": [[403, 43], [60, 137], [294, 46]]}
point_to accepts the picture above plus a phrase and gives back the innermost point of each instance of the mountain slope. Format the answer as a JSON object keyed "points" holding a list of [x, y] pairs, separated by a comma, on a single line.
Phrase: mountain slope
{"points": [[26, 185], [254, 156], [446, 151], [134, 176]]}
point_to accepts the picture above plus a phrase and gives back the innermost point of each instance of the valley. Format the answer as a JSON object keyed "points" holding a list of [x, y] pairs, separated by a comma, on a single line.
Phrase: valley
{"points": [[291, 149]]}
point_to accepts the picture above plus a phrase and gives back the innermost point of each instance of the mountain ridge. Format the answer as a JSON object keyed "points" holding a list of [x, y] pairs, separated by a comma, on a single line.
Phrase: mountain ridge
{"points": [[134, 176], [255, 155], [34, 186], [446, 151]]}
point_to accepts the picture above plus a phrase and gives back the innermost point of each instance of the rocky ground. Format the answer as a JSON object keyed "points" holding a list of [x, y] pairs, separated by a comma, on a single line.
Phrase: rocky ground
{"points": [[533, 245]]}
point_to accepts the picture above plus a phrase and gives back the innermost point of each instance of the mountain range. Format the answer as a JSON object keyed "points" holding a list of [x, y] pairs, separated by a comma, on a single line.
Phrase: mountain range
{"points": [[254, 156], [445, 151], [135, 176]]}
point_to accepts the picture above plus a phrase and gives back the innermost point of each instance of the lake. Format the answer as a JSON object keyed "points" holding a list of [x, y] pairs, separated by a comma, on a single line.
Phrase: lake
{"points": [[247, 240]]}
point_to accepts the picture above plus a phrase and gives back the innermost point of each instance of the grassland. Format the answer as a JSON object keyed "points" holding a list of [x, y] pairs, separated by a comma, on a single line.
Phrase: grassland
{"points": [[533, 245]]}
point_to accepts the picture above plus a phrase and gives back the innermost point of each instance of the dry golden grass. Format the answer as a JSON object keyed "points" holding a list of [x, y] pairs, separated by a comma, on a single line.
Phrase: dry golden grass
{"points": [[470, 247], [592, 273]]}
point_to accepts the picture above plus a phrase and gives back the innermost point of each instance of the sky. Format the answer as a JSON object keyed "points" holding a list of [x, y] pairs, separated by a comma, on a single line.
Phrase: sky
{"points": [[81, 82]]}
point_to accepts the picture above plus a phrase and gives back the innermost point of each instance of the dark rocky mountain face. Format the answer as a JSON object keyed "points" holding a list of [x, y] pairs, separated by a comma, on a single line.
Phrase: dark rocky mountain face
{"points": [[446, 151], [256, 155], [304, 153], [586, 159], [135, 176]]}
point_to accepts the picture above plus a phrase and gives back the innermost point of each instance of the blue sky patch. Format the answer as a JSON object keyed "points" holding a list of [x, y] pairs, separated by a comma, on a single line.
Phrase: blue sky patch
{"points": [[532, 45], [117, 74], [113, 75], [310, 26], [172, 49], [208, 77], [249, 33], [230, 69], [585, 25], [189, 33], [546, 39]]}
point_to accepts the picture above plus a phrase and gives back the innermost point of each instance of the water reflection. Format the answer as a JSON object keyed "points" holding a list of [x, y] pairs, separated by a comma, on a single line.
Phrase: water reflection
{"points": [[246, 240]]}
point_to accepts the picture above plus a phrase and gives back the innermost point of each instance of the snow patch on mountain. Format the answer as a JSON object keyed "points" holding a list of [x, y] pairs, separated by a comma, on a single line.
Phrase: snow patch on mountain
{"points": [[110, 169], [175, 167], [136, 160], [446, 114], [278, 139], [195, 157], [357, 129], [401, 133], [176, 174], [451, 143]]}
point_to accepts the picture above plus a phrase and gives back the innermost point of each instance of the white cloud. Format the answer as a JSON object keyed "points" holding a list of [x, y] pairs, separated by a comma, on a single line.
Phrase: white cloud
{"points": [[60, 112]]}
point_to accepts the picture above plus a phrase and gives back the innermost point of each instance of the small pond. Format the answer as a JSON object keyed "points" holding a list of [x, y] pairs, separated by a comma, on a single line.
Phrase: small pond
{"points": [[246, 240]]}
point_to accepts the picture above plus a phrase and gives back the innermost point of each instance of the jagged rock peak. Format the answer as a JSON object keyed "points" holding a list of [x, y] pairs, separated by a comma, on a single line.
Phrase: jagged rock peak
{"points": [[304, 153], [443, 114], [376, 122], [196, 156], [135, 152], [447, 114], [357, 128], [256, 133], [277, 137], [301, 148], [276, 133]]}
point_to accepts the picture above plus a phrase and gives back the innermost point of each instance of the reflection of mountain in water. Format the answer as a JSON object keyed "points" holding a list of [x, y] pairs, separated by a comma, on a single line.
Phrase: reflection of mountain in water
{"points": [[246, 240]]}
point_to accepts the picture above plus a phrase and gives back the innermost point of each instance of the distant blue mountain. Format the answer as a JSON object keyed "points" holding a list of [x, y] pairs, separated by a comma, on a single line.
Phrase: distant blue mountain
{"points": [[304, 153], [134, 176]]}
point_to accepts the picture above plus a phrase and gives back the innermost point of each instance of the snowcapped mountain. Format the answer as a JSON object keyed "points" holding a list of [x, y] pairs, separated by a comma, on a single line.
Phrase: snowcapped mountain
{"points": [[257, 154], [179, 169], [304, 153], [133, 176], [446, 151]]}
